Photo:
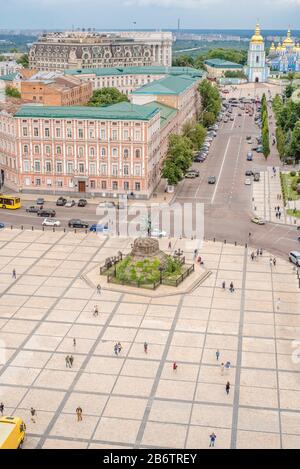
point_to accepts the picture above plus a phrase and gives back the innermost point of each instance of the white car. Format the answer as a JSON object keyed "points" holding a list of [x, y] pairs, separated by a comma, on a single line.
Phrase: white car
{"points": [[247, 182], [157, 233], [70, 203], [51, 222]]}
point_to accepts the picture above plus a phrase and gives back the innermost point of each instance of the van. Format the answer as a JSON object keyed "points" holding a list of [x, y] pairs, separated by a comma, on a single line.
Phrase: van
{"points": [[294, 257], [12, 432]]}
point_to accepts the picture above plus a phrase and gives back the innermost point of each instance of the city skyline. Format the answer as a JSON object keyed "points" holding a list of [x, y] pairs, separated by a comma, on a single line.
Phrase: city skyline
{"points": [[148, 14]]}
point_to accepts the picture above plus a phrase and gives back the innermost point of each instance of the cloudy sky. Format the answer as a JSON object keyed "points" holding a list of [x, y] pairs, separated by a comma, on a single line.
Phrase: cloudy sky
{"points": [[113, 14]]}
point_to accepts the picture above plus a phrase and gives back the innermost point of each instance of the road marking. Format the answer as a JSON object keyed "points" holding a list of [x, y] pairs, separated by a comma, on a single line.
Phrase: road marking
{"points": [[221, 169]]}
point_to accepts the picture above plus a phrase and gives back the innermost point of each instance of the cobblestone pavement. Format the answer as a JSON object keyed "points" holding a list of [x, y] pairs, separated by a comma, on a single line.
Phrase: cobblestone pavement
{"points": [[136, 400]]}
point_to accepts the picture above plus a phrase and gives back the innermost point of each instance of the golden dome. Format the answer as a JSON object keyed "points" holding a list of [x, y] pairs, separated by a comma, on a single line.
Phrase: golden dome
{"points": [[288, 40], [297, 47], [257, 38], [272, 48], [278, 48]]}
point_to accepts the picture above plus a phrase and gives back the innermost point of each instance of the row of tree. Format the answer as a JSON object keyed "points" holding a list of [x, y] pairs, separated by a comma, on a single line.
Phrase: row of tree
{"points": [[232, 55], [287, 115], [182, 147], [265, 134]]}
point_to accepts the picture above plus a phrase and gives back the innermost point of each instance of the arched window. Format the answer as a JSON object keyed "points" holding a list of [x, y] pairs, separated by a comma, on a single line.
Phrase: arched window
{"points": [[92, 151], [137, 153], [25, 149], [103, 151]]}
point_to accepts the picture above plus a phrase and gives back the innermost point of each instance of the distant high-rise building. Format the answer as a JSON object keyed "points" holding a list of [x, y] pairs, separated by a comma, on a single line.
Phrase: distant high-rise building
{"points": [[72, 50]]}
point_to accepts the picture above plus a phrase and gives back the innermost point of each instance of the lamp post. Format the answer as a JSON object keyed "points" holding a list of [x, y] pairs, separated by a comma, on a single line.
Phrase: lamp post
{"points": [[161, 269]]}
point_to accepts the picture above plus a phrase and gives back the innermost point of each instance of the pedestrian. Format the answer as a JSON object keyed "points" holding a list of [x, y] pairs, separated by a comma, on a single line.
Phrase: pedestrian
{"points": [[33, 414], [271, 262], [274, 261], [99, 289], [145, 347], [195, 254], [67, 361], [74, 342], [79, 414], [71, 360], [252, 256], [170, 245], [257, 252], [116, 349], [175, 366], [217, 355], [223, 285], [231, 287], [278, 304], [96, 311], [227, 388], [119, 347], [1, 408], [14, 274], [222, 368], [279, 215], [212, 439], [261, 252]]}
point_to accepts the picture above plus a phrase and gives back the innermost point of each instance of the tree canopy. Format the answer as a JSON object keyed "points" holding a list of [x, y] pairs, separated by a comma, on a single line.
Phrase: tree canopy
{"points": [[24, 60], [211, 102], [106, 96]]}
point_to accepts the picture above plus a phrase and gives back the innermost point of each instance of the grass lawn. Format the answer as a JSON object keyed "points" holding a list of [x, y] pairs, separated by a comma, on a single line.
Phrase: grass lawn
{"points": [[287, 181], [293, 214]]}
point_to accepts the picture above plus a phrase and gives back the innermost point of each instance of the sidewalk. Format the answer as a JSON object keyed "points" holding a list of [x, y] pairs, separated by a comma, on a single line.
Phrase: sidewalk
{"points": [[264, 200]]}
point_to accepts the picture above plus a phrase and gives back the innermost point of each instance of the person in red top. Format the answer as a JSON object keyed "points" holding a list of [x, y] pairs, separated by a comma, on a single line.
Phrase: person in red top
{"points": [[175, 366]]}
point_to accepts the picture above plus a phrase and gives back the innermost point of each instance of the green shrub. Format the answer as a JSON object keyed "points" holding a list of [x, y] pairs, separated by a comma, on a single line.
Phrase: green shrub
{"points": [[293, 174]]}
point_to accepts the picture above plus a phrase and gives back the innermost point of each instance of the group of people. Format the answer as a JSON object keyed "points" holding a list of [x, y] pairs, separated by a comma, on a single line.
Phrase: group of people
{"points": [[69, 361], [278, 212], [256, 254], [231, 286]]}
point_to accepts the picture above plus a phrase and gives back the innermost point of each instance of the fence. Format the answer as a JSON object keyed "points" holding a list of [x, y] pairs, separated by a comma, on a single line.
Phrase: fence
{"points": [[177, 281], [111, 262]]}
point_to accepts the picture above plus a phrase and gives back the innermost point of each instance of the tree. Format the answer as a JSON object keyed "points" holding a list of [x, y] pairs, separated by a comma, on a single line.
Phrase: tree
{"points": [[195, 132], [24, 60], [294, 146], [106, 96], [211, 101], [12, 92], [277, 104], [280, 138], [289, 90], [179, 158], [235, 74], [183, 61], [208, 118]]}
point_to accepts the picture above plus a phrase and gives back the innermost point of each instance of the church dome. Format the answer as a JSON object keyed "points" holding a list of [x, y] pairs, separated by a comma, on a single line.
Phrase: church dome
{"points": [[288, 40], [278, 48], [257, 37], [272, 48]]}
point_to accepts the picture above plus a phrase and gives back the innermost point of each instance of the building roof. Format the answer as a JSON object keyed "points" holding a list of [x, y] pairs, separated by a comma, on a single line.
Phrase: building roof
{"points": [[155, 70], [173, 85], [9, 77], [119, 111], [166, 112], [219, 63]]}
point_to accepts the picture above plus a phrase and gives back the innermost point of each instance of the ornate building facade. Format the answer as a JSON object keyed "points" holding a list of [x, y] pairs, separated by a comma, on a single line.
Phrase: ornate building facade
{"points": [[257, 69], [73, 50], [285, 57]]}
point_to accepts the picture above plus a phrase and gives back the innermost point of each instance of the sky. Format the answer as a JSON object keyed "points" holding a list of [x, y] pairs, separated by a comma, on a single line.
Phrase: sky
{"points": [[149, 14]]}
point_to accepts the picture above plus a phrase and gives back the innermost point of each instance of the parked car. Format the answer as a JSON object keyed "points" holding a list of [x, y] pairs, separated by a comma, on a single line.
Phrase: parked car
{"points": [[70, 203], [256, 177], [157, 233], [200, 159], [258, 221], [192, 174], [247, 182], [249, 156], [294, 257], [50, 222], [249, 173], [46, 213], [82, 202], [107, 205], [212, 180], [61, 201], [77, 223], [40, 201], [99, 228], [33, 208], [2, 225]]}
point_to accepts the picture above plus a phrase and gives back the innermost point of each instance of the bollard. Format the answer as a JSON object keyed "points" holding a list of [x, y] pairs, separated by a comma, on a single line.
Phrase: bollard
{"points": [[75, 231], [214, 240], [225, 241], [11, 227], [235, 243], [32, 228], [22, 227], [53, 229], [64, 230]]}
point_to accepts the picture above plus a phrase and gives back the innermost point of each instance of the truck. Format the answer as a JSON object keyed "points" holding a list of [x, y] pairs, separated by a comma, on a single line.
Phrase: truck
{"points": [[12, 432]]}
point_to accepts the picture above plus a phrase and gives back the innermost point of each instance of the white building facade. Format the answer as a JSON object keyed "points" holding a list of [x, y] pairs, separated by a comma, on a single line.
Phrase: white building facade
{"points": [[257, 70]]}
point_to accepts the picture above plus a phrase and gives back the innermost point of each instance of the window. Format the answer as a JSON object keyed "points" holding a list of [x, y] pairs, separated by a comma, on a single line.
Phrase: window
{"points": [[137, 135], [92, 151], [137, 186], [25, 150], [80, 151], [80, 133], [37, 166], [126, 152], [36, 149], [126, 170], [93, 169], [114, 152], [126, 186], [126, 134], [37, 182], [115, 185], [58, 150], [35, 131], [47, 149], [47, 132], [93, 184], [57, 132], [70, 167], [103, 169], [102, 134], [25, 132], [103, 151], [69, 132], [69, 151], [91, 133], [257, 59], [137, 170], [138, 153], [59, 167], [81, 168], [115, 170], [48, 167], [114, 134], [103, 185], [26, 166]]}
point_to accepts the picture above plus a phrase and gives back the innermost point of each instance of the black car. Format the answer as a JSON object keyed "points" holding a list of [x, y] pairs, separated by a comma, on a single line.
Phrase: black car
{"points": [[40, 201], [82, 202], [34, 209], [248, 173], [46, 213], [61, 201], [76, 223]]}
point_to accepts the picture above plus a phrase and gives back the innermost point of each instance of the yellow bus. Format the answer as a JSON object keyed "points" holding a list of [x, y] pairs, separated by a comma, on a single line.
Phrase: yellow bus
{"points": [[12, 432], [10, 202]]}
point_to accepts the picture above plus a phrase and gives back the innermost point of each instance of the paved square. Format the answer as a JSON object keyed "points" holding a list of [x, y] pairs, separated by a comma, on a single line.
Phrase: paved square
{"points": [[136, 400]]}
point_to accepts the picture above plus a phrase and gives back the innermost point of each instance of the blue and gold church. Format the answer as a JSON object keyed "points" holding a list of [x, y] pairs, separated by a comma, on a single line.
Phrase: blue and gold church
{"points": [[285, 57]]}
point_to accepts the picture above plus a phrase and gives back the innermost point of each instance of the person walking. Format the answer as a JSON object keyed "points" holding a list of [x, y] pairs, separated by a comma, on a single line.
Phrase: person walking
{"points": [[274, 261], [99, 289], [33, 414], [212, 440], [14, 274], [224, 285], [222, 368], [68, 361], [175, 366], [227, 387], [1, 408], [217, 355], [71, 360], [252, 256], [170, 245], [119, 347], [116, 349], [74, 342], [145, 347], [231, 287], [96, 311], [79, 414]]}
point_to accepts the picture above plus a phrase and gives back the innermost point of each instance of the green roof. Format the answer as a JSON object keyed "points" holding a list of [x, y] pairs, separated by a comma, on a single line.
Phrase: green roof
{"points": [[219, 63], [170, 85], [9, 77], [155, 70], [166, 112], [119, 111]]}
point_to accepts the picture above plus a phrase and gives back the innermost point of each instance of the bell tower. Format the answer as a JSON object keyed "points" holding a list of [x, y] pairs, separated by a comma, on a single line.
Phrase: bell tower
{"points": [[257, 70]]}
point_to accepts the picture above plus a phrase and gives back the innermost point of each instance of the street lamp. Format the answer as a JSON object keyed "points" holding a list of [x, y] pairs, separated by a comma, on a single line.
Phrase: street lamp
{"points": [[161, 269]]}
